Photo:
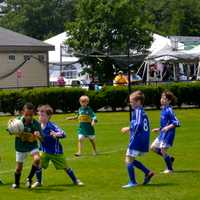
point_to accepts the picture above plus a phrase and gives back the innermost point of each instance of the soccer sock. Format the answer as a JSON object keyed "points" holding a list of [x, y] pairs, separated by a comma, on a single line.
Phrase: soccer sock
{"points": [[158, 151], [17, 178], [72, 175], [32, 172], [140, 166], [131, 172], [168, 162], [39, 175]]}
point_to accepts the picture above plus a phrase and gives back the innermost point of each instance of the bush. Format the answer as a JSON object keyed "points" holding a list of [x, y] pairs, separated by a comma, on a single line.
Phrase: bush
{"points": [[67, 99]]}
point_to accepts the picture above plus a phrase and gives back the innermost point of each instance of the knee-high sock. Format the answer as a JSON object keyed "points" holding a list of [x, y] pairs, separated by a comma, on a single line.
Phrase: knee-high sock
{"points": [[32, 172], [39, 175], [131, 172], [72, 175], [168, 162], [158, 151], [140, 166], [17, 178]]}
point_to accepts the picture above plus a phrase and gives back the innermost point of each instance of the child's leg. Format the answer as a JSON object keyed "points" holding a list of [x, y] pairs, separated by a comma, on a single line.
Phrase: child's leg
{"points": [[155, 147], [92, 139], [167, 158], [140, 166], [81, 139], [18, 171], [130, 168], [35, 166]]}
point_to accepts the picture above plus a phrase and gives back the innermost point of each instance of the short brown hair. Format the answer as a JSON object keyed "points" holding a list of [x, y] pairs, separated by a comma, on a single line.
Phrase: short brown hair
{"points": [[170, 96], [46, 108], [28, 106], [138, 96]]}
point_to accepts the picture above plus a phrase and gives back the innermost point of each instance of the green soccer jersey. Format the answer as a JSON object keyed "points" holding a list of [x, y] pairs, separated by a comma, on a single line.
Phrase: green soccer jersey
{"points": [[24, 146], [85, 116]]}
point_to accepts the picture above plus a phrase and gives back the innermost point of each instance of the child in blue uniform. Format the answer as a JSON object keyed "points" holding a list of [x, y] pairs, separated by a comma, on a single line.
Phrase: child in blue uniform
{"points": [[51, 147], [139, 139], [168, 124]]}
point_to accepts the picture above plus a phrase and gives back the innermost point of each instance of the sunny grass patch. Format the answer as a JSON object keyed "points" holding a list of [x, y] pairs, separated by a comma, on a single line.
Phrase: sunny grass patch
{"points": [[104, 174]]}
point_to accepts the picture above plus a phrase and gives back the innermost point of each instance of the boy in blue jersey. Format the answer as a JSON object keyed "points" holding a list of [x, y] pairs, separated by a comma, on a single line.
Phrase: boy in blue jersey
{"points": [[51, 147], [168, 124], [139, 139]]}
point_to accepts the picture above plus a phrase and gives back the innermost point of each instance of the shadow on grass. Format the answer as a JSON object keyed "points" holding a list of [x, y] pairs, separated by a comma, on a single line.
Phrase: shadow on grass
{"points": [[192, 171], [161, 184]]}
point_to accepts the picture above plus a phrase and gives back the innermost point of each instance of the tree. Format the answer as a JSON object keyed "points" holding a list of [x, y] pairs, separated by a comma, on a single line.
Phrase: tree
{"points": [[109, 27], [37, 18]]}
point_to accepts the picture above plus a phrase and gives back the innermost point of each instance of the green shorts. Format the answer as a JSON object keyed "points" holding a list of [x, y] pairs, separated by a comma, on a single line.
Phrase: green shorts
{"points": [[58, 161]]}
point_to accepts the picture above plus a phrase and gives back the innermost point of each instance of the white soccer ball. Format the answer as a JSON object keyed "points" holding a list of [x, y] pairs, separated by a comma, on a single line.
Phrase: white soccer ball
{"points": [[15, 126]]}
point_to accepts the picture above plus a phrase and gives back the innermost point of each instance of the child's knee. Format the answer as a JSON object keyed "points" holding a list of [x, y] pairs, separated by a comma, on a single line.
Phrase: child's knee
{"points": [[36, 159], [129, 159], [19, 168]]}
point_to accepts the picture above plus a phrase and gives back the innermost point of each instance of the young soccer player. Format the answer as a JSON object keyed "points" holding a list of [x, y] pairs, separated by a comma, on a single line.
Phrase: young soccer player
{"points": [[87, 119], [168, 124], [51, 147], [27, 144], [139, 140]]}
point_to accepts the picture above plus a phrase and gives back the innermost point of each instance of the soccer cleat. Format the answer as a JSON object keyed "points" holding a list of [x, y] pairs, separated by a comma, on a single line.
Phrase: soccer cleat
{"points": [[15, 186], [167, 171], [148, 177], [36, 184], [28, 183], [129, 185], [79, 183], [77, 154]]}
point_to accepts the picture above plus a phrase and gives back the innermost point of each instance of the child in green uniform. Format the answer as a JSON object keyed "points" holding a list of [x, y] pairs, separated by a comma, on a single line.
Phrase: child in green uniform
{"points": [[87, 120], [27, 144]]}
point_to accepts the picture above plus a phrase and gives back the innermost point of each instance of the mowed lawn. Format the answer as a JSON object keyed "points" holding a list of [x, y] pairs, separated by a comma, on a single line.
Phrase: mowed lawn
{"points": [[104, 174]]}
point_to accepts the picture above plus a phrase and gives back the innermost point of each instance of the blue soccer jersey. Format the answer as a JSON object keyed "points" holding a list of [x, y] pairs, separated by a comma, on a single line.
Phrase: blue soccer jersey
{"points": [[167, 118], [49, 144], [139, 131]]}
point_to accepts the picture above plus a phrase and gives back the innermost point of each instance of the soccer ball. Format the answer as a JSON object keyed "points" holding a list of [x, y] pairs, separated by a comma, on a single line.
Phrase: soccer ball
{"points": [[15, 126]]}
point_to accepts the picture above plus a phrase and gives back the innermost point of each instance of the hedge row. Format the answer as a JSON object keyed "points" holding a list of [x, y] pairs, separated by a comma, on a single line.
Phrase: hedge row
{"points": [[66, 99]]}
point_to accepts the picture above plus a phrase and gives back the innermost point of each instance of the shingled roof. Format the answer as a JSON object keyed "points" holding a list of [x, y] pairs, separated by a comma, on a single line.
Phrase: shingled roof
{"points": [[12, 41]]}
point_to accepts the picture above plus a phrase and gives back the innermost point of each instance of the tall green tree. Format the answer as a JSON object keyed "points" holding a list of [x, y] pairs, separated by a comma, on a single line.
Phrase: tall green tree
{"points": [[109, 27], [37, 18]]}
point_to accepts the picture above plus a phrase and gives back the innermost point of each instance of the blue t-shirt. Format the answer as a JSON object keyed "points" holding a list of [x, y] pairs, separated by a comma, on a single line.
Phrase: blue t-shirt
{"points": [[168, 117], [49, 144], [139, 131]]}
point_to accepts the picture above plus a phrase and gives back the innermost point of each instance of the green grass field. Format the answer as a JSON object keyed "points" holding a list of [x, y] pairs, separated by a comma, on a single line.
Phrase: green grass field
{"points": [[104, 174]]}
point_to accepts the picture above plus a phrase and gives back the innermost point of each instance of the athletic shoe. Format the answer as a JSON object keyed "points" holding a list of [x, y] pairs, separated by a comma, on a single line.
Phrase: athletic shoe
{"points": [[15, 186], [28, 183], [79, 183], [148, 177], [36, 184], [167, 171], [77, 154], [129, 185]]}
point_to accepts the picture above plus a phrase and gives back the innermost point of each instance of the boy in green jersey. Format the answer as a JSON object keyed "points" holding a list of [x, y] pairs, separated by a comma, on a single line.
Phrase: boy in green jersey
{"points": [[87, 120], [26, 144]]}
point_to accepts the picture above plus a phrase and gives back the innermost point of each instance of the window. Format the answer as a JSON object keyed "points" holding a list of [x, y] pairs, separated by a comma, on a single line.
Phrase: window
{"points": [[11, 57]]}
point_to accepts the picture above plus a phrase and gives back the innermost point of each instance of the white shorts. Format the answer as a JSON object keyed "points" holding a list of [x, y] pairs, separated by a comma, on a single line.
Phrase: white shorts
{"points": [[21, 156], [134, 153], [91, 137], [159, 144]]}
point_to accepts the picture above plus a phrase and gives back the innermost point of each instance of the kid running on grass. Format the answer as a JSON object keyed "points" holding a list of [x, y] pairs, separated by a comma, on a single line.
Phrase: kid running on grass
{"points": [[87, 120], [51, 147], [139, 131]]}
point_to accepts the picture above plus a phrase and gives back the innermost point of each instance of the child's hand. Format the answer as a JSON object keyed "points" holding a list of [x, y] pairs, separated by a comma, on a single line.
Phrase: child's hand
{"points": [[53, 134], [125, 130], [36, 134], [93, 123], [156, 130]]}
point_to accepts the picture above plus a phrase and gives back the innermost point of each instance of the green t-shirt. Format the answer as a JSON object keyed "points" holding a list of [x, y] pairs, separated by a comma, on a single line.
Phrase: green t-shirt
{"points": [[85, 116], [24, 146]]}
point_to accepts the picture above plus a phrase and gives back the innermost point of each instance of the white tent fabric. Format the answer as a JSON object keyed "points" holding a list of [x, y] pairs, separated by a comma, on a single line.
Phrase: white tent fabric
{"points": [[54, 56]]}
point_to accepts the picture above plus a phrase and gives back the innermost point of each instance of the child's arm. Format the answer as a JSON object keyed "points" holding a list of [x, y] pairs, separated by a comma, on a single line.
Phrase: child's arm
{"points": [[173, 121], [156, 130], [72, 118], [94, 117], [57, 132]]}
